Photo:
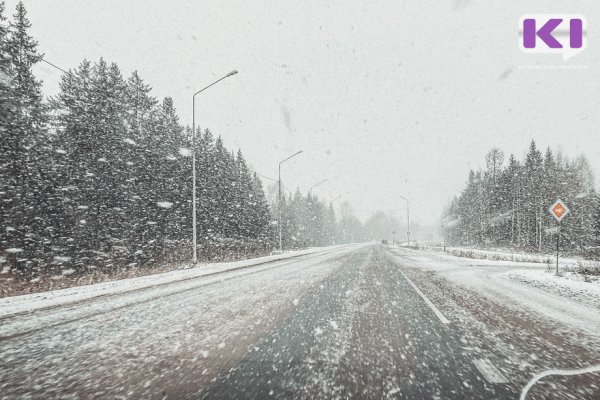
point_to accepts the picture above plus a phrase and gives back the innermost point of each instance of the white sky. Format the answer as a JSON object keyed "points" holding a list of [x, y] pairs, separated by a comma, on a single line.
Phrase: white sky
{"points": [[386, 98]]}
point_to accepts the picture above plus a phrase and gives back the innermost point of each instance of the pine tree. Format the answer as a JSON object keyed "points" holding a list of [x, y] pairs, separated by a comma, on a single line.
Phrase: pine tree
{"points": [[514, 188], [7, 145], [140, 106], [241, 191], [207, 178], [533, 189], [172, 188], [6, 96], [29, 112], [595, 239], [261, 215], [105, 181], [493, 196], [526, 190], [22, 137]]}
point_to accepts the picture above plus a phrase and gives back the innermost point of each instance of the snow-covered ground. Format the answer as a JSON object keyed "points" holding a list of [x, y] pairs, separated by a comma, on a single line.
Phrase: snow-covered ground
{"points": [[35, 301], [504, 255], [568, 284], [334, 321], [131, 344], [526, 285]]}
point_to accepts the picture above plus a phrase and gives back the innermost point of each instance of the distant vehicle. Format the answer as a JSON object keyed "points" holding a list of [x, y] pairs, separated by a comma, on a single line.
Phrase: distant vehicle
{"points": [[384, 241]]}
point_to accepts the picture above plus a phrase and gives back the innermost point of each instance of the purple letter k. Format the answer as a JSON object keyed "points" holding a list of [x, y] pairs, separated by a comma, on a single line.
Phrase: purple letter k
{"points": [[545, 33]]}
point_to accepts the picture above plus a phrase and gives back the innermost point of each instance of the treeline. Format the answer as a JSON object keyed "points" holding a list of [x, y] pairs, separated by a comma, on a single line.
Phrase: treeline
{"points": [[307, 222], [506, 205], [99, 177]]}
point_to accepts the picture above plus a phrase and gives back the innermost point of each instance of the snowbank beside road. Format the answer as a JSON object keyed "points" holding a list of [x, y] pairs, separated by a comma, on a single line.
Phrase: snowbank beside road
{"points": [[34, 301], [561, 298], [566, 264], [568, 284], [573, 282], [498, 255]]}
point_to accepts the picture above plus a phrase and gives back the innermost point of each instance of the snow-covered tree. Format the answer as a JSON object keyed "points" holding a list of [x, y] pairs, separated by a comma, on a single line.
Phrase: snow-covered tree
{"points": [[509, 206]]}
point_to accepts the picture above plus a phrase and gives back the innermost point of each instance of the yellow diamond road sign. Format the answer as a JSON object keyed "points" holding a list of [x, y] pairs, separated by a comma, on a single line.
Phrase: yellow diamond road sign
{"points": [[559, 210]]}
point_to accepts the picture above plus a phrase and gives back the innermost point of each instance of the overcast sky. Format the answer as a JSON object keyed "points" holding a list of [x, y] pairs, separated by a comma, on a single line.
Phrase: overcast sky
{"points": [[385, 98]]}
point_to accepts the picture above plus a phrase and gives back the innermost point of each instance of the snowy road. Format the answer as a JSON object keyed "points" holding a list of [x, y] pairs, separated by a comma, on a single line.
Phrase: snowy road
{"points": [[361, 322]]}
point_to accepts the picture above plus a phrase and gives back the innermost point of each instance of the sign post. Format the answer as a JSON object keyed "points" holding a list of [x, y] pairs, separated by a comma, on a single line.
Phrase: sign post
{"points": [[559, 211]]}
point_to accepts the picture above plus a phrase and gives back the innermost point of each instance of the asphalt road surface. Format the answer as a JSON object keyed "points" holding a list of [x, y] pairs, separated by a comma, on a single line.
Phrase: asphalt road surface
{"points": [[361, 322]]}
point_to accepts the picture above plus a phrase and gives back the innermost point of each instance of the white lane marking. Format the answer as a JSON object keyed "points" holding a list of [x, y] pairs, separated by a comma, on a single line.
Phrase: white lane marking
{"points": [[429, 303], [562, 372], [489, 372]]}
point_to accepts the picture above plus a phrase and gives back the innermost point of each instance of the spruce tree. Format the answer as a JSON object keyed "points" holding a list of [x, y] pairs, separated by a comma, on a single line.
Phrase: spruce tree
{"points": [[26, 90], [527, 190], [22, 133], [6, 96], [261, 216]]}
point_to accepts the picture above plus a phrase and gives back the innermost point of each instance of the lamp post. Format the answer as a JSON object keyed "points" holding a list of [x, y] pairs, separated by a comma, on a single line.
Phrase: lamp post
{"points": [[443, 237], [316, 184], [194, 211], [407, 220], [279, 199], [336, 198]]}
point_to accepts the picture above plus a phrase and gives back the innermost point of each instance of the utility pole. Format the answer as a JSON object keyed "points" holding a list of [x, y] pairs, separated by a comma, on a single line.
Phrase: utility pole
{"points": [[443, 238], [407, 220]]}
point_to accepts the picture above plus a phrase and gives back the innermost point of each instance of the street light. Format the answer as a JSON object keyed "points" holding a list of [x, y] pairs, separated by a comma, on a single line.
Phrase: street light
{"points": [[315, 185], [336, 198], [407, 220], [443, 237], [195, 229], [279, 198]]}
